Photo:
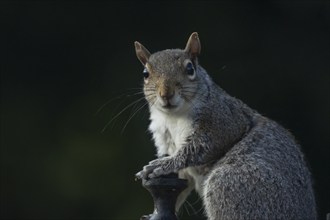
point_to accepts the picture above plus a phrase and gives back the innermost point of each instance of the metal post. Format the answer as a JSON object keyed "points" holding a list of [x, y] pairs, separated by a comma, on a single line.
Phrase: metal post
{"points": [[164, 191]]}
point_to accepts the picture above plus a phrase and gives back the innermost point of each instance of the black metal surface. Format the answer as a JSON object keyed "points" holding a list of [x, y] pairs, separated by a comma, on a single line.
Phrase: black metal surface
{"points": [[164, 191]]}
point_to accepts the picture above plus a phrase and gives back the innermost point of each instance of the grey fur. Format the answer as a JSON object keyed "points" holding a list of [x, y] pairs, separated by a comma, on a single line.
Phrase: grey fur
{"points": [[250, 167]]}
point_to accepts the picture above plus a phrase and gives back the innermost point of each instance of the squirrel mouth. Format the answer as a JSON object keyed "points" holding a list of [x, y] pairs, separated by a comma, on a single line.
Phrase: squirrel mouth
{"points": [[168, 105]]}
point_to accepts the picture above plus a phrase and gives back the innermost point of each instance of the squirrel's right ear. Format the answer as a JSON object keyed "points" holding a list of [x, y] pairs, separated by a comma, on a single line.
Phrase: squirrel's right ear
{"points": [[141, 52], [193, 46]]}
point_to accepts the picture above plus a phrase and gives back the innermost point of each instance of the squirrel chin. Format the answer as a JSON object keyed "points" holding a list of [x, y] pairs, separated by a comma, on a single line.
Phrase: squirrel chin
{"points": [[169, 108], [174, 110]]}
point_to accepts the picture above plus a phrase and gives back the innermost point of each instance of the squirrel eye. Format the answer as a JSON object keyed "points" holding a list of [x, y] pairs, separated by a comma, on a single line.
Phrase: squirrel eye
{"points": [[190, 69], [145, 73]]}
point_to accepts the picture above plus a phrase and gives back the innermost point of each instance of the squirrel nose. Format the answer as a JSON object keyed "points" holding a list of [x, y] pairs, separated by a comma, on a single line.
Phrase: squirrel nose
{"points": [[166, 95]]}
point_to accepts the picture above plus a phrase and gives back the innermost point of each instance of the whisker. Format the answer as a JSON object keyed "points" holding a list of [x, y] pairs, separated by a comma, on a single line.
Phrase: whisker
{"points": [[106, 103], [186, 91], [129, 105], [197, 200], [191, 206], [130, 118], [191, 92], [190, 101], [149, 90], [187, 205], [117, 97], [144, 113], [199, 210]]}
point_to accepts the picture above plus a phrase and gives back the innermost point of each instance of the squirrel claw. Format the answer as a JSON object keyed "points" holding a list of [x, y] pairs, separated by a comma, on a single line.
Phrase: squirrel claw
{"points": [[138, 176], [141, 175], [155, 168]]}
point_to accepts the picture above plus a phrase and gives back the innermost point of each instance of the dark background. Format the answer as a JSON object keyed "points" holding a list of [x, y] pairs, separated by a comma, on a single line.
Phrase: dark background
{"points": [[61, 62]]}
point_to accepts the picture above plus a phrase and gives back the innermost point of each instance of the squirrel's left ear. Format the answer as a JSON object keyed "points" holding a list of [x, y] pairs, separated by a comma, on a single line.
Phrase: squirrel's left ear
{"points": [[193, 46], [142, 53]]}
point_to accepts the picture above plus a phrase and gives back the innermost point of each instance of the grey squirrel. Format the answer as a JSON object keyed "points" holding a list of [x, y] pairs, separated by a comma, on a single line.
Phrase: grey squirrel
{"points": [[242, 164]]}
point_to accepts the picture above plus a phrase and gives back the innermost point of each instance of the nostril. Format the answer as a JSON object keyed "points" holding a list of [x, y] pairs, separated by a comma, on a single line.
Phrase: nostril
{"points": [[169, 96], [166, 96]]}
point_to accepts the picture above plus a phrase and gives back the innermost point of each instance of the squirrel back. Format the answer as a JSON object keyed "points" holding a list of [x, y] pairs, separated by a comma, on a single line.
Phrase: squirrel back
{"points": [[243, 165]]}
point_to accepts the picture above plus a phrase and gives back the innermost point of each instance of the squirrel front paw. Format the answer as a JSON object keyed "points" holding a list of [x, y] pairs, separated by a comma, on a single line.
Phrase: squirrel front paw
{"points": [[156, 168]]}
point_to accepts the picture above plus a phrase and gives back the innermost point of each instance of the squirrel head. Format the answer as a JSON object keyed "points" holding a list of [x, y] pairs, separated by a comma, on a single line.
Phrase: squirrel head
{"points": [[172, 76]]}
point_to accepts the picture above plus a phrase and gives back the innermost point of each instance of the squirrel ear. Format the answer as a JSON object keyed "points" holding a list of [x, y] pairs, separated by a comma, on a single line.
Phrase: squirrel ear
{"points": [[193, 46], [141, 52]]}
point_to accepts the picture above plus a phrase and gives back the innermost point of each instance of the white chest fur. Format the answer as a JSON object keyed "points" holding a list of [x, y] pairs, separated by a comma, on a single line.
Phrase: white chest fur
{"points": [[169, 131]]}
